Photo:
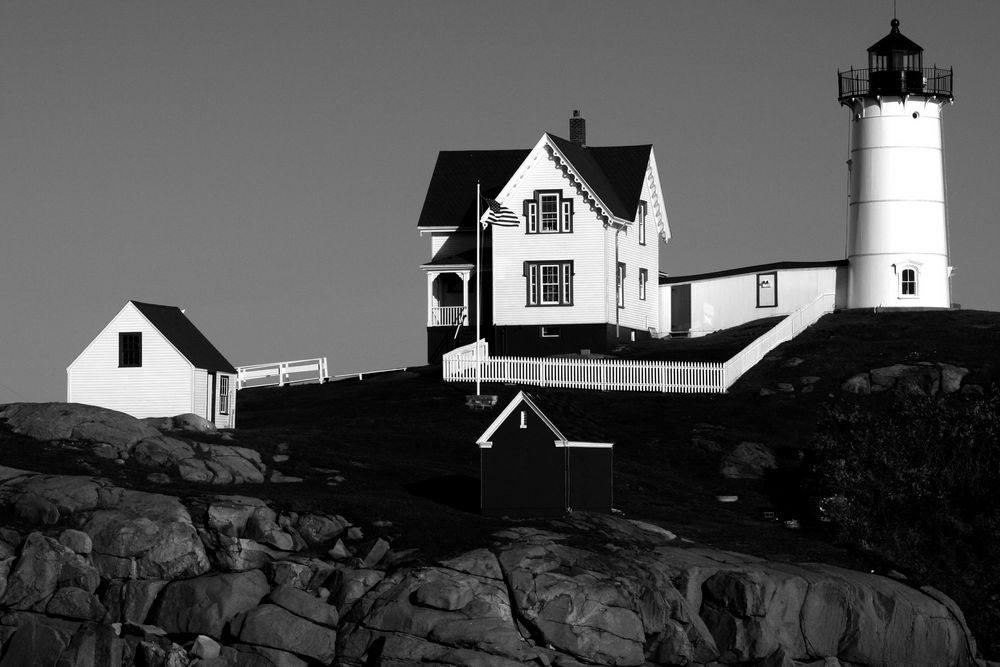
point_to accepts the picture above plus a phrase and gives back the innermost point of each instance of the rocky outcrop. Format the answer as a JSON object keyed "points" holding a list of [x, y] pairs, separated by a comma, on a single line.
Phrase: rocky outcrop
{"points": [[140, 442], [638, 599], [97, 574], [917, 379]]}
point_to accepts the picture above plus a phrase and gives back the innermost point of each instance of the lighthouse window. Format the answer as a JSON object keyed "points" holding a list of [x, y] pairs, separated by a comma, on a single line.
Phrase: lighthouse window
{"points": [[908, 282]]}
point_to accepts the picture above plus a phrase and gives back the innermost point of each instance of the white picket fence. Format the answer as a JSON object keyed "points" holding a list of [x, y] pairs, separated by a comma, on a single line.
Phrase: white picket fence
{"points": [[460, 364], [281, 373]]}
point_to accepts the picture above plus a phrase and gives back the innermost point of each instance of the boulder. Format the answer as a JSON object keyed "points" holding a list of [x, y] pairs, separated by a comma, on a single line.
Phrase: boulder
{"points": [[318, 529], [205, 648], [151, 530], [204, 605], [305, 605], [75, 421], [75, 603], [37, 641], [347, 586], [77, 541], [857, 384], [161, 452], [39, 572], [192, 422], [749, 460], [275, 627]]}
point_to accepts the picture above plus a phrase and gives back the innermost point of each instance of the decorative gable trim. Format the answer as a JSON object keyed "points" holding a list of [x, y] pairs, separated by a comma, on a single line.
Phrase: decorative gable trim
{"points": [[656, 206], [547, 148]]}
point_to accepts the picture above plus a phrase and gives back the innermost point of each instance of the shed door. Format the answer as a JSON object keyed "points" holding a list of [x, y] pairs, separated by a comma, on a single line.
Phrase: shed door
{"points": [[680, 308]]}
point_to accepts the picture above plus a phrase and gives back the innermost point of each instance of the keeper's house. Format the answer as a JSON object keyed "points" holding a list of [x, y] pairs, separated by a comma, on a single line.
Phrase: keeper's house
{"points": [[529, 468], [151, 361], [578, 265]]}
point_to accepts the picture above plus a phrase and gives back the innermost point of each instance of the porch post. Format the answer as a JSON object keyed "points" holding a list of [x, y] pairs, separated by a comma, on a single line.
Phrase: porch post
{"points": [[465, 297], [430, 297]]}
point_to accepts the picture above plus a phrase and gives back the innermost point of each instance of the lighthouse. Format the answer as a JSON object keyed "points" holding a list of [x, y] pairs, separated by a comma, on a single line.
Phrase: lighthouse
{"points": [[897, 229]]}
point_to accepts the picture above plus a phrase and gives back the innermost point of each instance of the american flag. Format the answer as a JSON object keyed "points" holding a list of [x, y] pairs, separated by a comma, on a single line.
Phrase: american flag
{"points": [[498, 215]]}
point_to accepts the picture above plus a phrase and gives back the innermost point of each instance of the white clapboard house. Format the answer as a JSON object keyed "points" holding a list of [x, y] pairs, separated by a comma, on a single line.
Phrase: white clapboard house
{"points": [[151, 361], [578, 270]]}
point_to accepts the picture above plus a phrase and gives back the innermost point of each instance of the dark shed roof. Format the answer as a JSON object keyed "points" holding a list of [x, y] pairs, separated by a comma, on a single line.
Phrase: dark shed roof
{"points": [[182, 334], [774, 266], [615, 173]]}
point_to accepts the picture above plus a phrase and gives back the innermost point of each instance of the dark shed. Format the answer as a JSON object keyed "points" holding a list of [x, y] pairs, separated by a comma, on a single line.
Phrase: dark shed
{"points": [[529, 468]]}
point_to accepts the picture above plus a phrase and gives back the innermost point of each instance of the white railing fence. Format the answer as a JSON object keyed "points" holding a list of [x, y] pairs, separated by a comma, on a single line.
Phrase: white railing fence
{"points": [[783, 331], [281, 373], [448, 316], [460, 364]]}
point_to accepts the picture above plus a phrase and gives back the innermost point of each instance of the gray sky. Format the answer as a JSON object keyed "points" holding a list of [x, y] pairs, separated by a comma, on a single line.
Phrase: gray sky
{"points": [[263, 164]]}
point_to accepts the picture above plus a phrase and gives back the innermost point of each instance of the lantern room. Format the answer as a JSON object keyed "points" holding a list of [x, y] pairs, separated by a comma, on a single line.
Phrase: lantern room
{"points": [[895, 67]]}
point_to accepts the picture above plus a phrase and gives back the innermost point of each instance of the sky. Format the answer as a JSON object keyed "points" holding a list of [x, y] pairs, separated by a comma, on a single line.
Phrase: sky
{"points": [[263, 164]]}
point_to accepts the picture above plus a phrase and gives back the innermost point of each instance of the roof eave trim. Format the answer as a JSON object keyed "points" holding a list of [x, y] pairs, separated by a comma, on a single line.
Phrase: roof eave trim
{"points": [[583, 188]]}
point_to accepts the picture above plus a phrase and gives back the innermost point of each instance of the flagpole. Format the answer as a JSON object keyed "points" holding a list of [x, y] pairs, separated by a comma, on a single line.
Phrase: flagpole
{"points": [[479, 287]]}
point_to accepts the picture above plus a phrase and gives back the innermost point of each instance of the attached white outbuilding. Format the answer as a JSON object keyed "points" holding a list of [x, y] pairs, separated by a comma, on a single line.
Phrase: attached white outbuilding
{"points": [[151, 361]]}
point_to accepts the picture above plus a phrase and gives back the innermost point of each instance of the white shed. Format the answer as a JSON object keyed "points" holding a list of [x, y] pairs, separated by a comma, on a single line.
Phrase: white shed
{"points": [[151, 361], [700, 304]]}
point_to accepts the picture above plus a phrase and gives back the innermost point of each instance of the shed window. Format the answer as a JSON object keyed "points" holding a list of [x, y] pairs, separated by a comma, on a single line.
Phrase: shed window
{"points": [[130, 349], [223, 394]]}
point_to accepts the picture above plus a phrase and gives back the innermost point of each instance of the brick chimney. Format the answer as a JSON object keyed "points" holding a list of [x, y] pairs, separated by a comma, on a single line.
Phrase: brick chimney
{"points": [[578, 129]]}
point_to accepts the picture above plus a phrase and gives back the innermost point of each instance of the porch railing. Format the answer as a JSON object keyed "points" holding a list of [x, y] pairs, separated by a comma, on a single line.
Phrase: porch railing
{"points": [[448, 316], [460, 364], [281, 373]]}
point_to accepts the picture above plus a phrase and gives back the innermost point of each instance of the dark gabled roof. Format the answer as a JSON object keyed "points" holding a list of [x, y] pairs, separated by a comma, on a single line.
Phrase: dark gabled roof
{"points": [[615, 173], [451, 196], [183, 335], [774, 266]]}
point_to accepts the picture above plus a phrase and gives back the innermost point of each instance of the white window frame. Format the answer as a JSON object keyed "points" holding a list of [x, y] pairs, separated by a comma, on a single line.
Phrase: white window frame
{"points": [[643, 278], [559, 280], [548, 221], [559, 220]]}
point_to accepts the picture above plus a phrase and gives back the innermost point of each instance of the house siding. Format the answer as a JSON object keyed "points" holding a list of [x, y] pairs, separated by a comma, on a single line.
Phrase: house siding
{"points": [[636, 314], [162, 386], [584, 246]]}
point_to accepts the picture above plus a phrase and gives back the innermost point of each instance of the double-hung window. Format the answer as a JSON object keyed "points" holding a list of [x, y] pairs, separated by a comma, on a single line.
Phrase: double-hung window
{"points": [[549, 283], [129, 349], [547, 212]]}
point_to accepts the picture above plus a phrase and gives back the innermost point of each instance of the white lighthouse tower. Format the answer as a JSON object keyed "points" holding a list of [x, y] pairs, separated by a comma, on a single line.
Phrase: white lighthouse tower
{"points": [[897, 235]]}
